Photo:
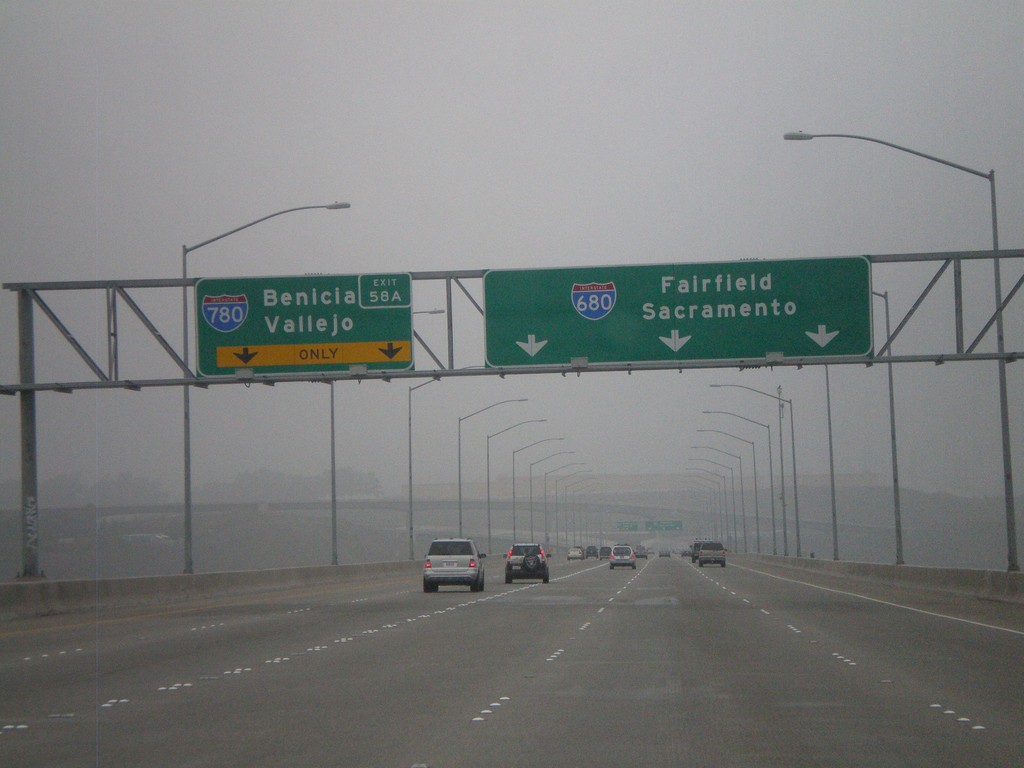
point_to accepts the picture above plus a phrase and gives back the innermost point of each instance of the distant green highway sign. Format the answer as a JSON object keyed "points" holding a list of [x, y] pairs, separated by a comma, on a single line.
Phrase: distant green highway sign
{"points": [[312, 323], [663, 525], [663, 313], [627, 525]]}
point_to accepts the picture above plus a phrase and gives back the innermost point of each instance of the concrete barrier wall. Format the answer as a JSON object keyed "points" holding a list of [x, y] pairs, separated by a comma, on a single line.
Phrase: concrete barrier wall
{"points": [[995, 585], [36, 597]]}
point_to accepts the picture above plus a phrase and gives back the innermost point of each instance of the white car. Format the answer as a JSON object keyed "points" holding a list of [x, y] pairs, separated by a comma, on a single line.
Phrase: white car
{"points": [[453, 561], [622, 556], [575, 553]]}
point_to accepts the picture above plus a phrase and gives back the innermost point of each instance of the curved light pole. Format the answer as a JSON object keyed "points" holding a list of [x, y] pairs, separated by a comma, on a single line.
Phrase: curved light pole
{"points": [[732, 476], [832, 468], [187, 421], [757, 521], [771, 468], [506, 429], [892, 438], [462, 419], [782, 470], [515, 534], [708, 493], [1011, 519], [412, 553], [697, 475], [550, 472], [723, 501], [743, 496], [532, 465], [566, 488], [575, 521]]}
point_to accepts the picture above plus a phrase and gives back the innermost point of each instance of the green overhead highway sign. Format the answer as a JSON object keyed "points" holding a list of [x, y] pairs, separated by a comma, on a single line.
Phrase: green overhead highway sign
{"points": [[312, 323], [627, 525], [663, 525], [653, 313]]}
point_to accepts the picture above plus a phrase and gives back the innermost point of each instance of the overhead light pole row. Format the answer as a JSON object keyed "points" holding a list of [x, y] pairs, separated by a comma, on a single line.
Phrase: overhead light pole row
{"points": [[1004, 411]]}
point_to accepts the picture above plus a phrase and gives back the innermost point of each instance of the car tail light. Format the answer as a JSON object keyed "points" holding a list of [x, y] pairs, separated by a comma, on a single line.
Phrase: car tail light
{"points": [[509, 554], [472, 562], [426, 564], [542, 552]]}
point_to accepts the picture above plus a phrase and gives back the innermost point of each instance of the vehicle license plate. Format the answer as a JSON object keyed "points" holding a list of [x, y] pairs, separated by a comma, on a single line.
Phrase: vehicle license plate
{"points": [[450, 563]]}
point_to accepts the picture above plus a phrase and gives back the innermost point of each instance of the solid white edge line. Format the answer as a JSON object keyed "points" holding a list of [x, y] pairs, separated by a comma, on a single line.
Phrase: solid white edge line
{"points": [[886, 602]]}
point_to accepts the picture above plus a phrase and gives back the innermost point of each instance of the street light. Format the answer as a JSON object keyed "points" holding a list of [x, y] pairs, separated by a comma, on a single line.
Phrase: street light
{"points": [[532, 465], [732, 481], [743, 496], [412, 552], [722, 502], [531, 421], [515, 534], [566, 489], [782, 470], [587, 484], [462, 419], [708, 494], [549, 472], [892, 437], [1004, 408], [187, 425], [757, 509], [771, 469]]}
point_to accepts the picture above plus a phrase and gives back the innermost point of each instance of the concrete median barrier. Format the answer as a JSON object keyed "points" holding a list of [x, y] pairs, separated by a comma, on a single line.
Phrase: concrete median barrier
{"points": [[38, 597], [992, 585]]}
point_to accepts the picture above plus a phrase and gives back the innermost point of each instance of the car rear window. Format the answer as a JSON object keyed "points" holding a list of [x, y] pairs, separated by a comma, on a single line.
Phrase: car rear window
{"points": [[711, 545], [450, 548], [526, 549], [620, 550]]}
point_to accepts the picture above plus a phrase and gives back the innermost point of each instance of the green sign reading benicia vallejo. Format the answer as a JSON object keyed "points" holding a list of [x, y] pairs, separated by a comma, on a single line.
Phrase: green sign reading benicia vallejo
{"points": [[310, 323], [711, 311]]}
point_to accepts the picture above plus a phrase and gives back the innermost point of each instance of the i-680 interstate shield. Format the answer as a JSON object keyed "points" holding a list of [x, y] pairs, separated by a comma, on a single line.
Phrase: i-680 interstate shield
{"points": [[738, 310]]}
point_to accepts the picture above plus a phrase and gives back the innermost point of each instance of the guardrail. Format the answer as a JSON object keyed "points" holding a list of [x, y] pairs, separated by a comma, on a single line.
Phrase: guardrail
{"points": [[992, 585], [38, 597]]}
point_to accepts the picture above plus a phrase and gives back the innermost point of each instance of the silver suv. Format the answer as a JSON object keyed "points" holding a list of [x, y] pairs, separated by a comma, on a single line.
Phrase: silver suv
{"points": [[622, 555], [526, 561], [453, 561], [711, 552]]}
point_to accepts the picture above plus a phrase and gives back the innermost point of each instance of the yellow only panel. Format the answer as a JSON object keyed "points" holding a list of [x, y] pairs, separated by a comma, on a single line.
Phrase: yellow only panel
{"points": [[265, 355]]}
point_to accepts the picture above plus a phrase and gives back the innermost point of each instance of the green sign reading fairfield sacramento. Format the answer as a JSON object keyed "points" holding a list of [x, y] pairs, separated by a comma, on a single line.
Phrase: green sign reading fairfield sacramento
{"points": [[737, 310]]}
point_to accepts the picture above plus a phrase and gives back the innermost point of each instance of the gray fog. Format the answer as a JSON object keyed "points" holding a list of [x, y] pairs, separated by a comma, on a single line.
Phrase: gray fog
{"points": [[494, 135]]}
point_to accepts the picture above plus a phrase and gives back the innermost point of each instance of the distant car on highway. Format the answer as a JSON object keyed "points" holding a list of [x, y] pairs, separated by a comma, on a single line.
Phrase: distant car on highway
{"points": [[526, 561], [591, 551], [695, 549], [640, 551], [453, 561], [604, 553], [575, 553], [711, 552], [622, 555], [664, 553]]}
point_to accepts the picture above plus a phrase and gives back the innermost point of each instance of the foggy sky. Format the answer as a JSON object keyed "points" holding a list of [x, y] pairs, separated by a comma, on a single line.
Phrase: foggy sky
{"points": [[506, 135]]}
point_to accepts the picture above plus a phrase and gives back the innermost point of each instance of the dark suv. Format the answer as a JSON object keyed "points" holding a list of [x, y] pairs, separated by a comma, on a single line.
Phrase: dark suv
{"points": [[526, 561], [453, 561]]}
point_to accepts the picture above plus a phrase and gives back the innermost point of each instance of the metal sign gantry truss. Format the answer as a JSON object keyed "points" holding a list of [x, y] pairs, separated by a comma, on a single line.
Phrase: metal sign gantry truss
{"points": [[119, 292], [30, 296]]}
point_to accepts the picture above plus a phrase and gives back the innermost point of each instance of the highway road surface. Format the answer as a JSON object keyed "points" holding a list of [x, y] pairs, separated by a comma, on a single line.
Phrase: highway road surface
{"points": [[665, 665]]}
